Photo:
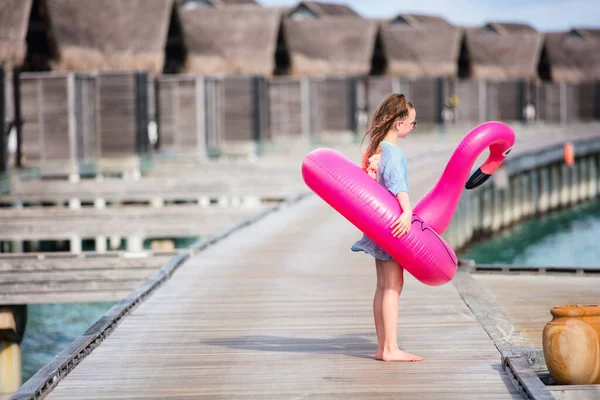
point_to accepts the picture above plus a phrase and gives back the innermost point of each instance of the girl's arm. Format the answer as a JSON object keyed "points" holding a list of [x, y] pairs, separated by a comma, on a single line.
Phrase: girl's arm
{"points": [[402, 224]]}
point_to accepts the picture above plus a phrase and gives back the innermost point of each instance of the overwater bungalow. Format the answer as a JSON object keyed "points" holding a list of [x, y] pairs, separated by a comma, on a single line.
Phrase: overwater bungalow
{"points": [[500, 51], [413, 45]]}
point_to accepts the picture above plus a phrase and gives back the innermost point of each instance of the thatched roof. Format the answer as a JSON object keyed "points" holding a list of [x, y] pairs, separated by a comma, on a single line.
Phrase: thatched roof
{"points": [[110, 34], [499, 51], [235, 40], [573, 56], [420, 45], [14, 20], [316, 9], [193, 4], [333, 46], [588, 32]]}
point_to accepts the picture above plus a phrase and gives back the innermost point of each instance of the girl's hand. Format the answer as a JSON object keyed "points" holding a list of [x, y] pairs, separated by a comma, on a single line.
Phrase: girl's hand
{"points": [[402, 225]]}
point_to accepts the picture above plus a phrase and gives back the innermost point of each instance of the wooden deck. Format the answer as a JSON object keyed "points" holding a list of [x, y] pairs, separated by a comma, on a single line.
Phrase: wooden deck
{"points": [[528, 298], [148, 222], [287, 315], [62, 278], [283, 309]]}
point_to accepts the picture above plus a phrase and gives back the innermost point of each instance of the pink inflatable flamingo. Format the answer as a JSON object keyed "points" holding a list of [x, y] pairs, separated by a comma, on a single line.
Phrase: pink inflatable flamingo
{"points": [[372, 208], [437, 207]]}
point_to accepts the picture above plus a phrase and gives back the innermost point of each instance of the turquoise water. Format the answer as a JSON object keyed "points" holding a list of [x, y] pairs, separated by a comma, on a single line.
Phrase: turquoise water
{"points": [[561, 239], [52, 327]]}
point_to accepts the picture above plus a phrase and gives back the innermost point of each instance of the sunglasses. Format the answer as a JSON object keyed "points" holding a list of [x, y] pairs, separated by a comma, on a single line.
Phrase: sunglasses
{"points": [[414, 124]]}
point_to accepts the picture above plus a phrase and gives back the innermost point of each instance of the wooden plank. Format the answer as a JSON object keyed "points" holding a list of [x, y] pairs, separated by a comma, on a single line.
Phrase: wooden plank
{"points": [[56, 223], [116, 113], [285, 106], [577, 392], [528, 298], [78, 263], [525, 379], [76, 275], [223, 183], [74, 296]]}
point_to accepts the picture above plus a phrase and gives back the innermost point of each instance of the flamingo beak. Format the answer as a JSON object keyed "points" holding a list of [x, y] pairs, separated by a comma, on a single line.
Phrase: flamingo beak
{"points": [[484, 172], [477, 179]]}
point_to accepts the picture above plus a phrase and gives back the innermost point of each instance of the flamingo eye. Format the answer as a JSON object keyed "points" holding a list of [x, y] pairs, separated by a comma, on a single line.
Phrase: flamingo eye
{"points": [[506, 152]]}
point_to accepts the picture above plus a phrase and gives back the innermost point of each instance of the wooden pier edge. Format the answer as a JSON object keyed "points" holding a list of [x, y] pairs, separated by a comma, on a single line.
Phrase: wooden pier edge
{"points": [[518, 357], [46, 379], [523, 377]]}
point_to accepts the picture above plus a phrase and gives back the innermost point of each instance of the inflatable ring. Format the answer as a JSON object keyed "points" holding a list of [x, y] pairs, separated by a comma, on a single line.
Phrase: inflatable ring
{"points": [[372, 208]]}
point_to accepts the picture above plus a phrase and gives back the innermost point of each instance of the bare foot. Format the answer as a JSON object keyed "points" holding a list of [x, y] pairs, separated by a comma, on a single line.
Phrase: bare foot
{"points": [[399, 356], [379, 354]]}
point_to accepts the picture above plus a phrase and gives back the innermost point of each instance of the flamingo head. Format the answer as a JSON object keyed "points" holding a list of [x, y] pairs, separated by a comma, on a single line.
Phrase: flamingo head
{"points": [[498, 153]]}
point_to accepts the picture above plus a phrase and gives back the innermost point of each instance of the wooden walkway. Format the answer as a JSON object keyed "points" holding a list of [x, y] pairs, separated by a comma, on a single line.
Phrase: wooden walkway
{"points": [[283, 309], [287, 315]]}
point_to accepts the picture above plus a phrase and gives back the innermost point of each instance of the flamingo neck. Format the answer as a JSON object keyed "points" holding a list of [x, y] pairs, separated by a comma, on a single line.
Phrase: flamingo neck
{"points": [[439, 204]]}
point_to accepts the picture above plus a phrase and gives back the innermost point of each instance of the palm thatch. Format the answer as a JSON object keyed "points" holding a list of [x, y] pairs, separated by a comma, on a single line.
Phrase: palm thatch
{"points": [[192, 4], [588, 32], [332, 46], [502, 51], [316, 10], [14, 20], [420, 45], [231, 41], [110, 34], [572, 56]]}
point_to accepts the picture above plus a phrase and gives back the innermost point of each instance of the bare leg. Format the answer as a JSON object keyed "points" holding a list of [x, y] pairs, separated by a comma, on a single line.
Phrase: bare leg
{"points": [[377, 309], [394, 281]]}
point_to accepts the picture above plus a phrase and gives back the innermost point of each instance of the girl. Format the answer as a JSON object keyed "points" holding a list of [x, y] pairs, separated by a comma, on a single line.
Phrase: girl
{"points": [[384, 161]]}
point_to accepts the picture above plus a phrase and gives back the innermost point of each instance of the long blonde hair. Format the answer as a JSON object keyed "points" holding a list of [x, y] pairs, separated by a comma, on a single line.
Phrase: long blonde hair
{"points": [[394, 107]]}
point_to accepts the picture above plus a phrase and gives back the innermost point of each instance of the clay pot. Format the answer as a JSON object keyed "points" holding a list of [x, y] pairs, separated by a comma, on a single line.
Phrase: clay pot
{"points": [[572, 344]]}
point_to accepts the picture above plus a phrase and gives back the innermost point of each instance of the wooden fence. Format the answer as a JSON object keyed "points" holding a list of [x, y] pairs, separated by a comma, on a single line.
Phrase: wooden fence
{"points": [[81, 118]]}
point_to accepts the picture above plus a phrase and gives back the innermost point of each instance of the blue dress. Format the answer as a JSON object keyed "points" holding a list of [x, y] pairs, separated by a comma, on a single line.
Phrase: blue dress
{"points": [[391, 174]]}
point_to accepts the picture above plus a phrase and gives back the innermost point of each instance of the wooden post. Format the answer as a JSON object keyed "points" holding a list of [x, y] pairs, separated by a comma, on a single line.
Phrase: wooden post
{"points": [[535, 191], [469, 211], [3, 133], [482, 101], [563, 102], [352, 83], [554, 187], [75, 244], [201, 137], [72, 129], [497, 213], [517, 199], [18, 121], [565, 185], [305, 106], [13, 320], [584, 179], [487, 209], [475, 211], [141, 113], [507, 202], [574, 183], [593, 177], [157, 111], [525, 187], [135, 243]]}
